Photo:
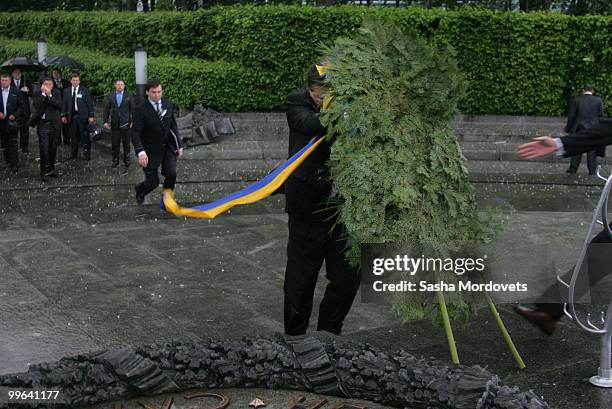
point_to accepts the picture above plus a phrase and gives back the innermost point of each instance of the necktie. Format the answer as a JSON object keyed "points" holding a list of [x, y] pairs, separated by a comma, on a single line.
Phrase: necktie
{"points": [[119, 98], [74, 103]]}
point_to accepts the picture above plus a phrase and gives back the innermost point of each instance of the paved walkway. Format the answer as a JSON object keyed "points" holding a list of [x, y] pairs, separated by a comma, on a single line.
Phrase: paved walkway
{"points": [[82, 267]]}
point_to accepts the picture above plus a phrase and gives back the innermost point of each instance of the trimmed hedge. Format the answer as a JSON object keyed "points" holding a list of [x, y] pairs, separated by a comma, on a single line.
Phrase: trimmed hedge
{"points": [[186, 81], [516, 63]]}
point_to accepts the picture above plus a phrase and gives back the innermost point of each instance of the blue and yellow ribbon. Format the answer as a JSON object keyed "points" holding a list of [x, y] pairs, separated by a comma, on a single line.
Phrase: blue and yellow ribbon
{"points": [[250, 194]]}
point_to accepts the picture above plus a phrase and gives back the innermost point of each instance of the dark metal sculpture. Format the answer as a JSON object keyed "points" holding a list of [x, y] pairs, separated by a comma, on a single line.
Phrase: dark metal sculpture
{"points": [[395, 379]]}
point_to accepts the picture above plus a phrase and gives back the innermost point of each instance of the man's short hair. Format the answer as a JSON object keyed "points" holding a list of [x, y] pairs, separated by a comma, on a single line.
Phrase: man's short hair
{"points": [[588, 88], [313, 77], [5, 75], [154, 83], [56, 69], [46, 79], [75, 75]]}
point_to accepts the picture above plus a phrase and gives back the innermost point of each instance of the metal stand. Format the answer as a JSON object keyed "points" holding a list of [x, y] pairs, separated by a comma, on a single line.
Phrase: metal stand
{"points": [[604, 328]]}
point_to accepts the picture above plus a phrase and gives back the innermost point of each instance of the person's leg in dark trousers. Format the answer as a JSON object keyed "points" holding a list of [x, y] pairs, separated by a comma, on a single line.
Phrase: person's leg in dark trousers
{"points": [[150, 183], [75, 129], [342, 287], [54, 141], [598, 268], [169, 169], [574, 164], [45, 134], [12, 146], [24, 138], [126, 138], [85, 141], [305, 255], [592, 162], [66, 133], [4, 140], [116, 145]]}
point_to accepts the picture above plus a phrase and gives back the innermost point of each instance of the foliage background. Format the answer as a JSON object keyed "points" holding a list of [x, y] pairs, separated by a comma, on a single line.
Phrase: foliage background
{"points": [[515, 63]]}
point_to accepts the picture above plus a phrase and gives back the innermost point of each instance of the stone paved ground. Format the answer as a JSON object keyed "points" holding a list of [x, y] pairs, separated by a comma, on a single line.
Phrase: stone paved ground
{"points": [[82, 267]]}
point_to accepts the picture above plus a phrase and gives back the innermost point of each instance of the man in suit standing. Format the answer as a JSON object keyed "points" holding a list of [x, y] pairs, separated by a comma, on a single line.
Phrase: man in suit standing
{"points": [[25, 87], [155, 139], [46, 117], [119, 108], [546, 315], [78, 113], [584, 113], [314, 234], [61, 84], [11, 113]]}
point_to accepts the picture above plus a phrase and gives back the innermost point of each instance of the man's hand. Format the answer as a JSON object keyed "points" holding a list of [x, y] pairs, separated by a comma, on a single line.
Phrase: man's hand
{"points": [[106, 125], [11, 117], [25, 89], [143, 159], [179, 153], [90, 120], [64, 120], [541, 146], [1, 116]]}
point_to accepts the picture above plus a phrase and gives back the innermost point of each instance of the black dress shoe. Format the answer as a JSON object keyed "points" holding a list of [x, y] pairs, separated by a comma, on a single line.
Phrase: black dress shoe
{"points": [[115, 164], [73, 156], [14, 169], [139, 199], [52, 174], [540, 319], [126, 164], [43, 178]]}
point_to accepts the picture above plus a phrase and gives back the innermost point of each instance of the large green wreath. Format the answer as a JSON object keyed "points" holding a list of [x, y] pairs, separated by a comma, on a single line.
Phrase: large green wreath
{"points": [[397, 166]]}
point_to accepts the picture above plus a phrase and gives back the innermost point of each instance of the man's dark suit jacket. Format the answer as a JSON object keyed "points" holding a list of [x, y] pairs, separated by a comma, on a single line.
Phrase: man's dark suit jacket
{"points": [[51, 107], [25, 98], [310, 184], [584, 113], [14, 104], [598, 136], [84, 103], [122, 115], [152, 134]]}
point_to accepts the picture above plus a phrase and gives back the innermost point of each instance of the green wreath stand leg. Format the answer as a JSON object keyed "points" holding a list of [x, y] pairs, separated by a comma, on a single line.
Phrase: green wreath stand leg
{"points": [[447, 328], [504, 331]]}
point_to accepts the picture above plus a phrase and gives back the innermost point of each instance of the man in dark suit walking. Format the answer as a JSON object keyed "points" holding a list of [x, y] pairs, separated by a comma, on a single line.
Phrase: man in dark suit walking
{"points": [[11, 113], [46, 117], [155, 139], [119, 109], [61, 84], [78, 113], [546, 315], [314, 234], [25, 88], [584, 113]]}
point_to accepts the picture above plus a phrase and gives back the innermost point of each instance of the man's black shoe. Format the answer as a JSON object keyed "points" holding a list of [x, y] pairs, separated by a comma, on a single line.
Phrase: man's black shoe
{"points": [[139, 199], [52, 174], [44, 179], [126, 164], [73, 156], [115, 164], [540, 319], [14, 169]]}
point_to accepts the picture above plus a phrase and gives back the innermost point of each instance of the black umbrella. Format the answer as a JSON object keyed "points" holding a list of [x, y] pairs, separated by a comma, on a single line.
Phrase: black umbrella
{"points": [[23, 63], [63, 61]]}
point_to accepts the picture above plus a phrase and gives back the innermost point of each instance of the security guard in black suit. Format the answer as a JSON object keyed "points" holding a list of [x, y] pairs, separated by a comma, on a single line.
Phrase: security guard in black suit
{"points": [[78, 112], [25, 88], [584, 113], [314, 235], [46, 117], [118, 115]]}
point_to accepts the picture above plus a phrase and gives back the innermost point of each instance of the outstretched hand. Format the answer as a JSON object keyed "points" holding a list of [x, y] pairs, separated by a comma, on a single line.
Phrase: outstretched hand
{"points": [[540, 146]]}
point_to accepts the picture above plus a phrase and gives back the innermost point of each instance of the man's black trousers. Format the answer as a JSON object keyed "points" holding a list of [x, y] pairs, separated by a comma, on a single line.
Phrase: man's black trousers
{"points": [[121, 137], [311, 243], [9, 141], [78, 134], [599, 265], [168, 169], [48, 136], [24, 137], [591, 162]]}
